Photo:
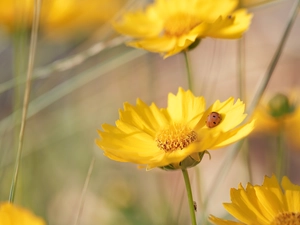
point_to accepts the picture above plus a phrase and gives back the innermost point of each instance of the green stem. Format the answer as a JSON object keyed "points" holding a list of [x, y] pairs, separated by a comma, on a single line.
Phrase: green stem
{"points": [[188, 70], [190, 195], [200, 198], [32, 50], [280, 161], [247, 159], [242, 94], [84, 190], [241, 69]]}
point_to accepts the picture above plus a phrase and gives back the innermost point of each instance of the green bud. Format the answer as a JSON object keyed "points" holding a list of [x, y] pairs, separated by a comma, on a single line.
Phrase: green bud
{"points": [[279, 106]]}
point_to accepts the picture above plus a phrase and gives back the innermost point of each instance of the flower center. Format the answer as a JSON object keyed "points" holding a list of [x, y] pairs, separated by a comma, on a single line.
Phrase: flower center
{"points": [[175, 137], [180, 24], [287, 218]]}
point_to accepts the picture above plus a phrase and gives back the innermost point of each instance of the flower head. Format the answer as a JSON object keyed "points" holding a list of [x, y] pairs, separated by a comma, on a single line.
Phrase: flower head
{"points": [[14, 215], [282, 113], [170, 26], [264, 205], [172, 137], [58, 18]]}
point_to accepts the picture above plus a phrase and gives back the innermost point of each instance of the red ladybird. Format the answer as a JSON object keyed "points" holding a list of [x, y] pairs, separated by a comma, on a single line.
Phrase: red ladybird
{"points": [[213, 119]]}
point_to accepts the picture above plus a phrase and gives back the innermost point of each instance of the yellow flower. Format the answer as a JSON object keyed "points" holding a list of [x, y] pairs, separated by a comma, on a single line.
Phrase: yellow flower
{"points": [[264, 205], [173, 137], [281, 114], [170, 26], [58, 18], [14, 215]]}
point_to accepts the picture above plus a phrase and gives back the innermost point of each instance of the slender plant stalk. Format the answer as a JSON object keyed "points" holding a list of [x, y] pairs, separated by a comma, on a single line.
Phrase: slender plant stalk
{"points": [[19, 66], [66, 63], [200, 200], [242, 94], [32, 50], [83, 193], [241, 69], [18, 61], [224, 168], [280, 162], [188, 70], [190, 195]]}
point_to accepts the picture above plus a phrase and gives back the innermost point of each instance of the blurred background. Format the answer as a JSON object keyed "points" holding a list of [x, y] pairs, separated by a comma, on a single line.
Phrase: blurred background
{"points": [[82, 76]]}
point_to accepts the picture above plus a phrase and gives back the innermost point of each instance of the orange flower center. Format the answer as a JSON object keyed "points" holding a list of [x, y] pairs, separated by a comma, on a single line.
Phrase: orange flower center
{"points": [[287, 218], [180, 24], [175, 137]]}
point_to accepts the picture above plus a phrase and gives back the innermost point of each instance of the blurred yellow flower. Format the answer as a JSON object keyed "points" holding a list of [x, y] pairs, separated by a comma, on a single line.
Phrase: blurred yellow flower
{"points": [[14, 215], [264, 205], [174, 137], [281, 114], [58, 18], [170, 26]]}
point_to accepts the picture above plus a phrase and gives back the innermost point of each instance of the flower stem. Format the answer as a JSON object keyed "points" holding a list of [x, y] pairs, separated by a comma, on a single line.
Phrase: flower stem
{"points": [[188, 70], [26, 97], [84, 190], [281, 156], [242, 94], [200, 198], [190, 195]]}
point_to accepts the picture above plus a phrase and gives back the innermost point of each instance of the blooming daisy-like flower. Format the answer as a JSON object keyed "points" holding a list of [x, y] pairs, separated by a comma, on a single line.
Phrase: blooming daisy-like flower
{"points": [[175, 137], [264, 205], [170, 26], [282, 113], [58, 18], [14, 215]]}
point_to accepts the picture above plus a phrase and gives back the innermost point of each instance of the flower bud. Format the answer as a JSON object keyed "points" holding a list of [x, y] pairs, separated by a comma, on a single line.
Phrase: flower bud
{"points": [[280, 105]]}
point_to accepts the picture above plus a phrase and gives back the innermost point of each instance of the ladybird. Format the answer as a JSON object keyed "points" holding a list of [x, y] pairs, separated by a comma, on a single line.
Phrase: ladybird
{"points": [[213, 119]]}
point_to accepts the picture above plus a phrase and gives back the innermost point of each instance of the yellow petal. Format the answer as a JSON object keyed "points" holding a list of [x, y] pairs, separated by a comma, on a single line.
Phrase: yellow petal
{"points": [[269, 200], [156, 44], [185, 107], [226, 138], [231, 26], [244, 208], [211, 10], [14, 215], [147, 119], [140, 24], [137, 146], [288, 185], [293, 200], [219, 221]]}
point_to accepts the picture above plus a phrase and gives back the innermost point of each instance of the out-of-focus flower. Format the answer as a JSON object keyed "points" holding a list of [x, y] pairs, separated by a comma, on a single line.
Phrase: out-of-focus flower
{"points": [[14, 215], [170, 26], [281, 114], [58, 18], [174, 137], [264, 205]]}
